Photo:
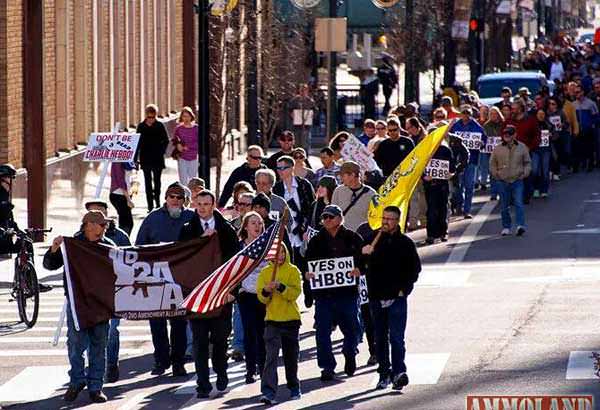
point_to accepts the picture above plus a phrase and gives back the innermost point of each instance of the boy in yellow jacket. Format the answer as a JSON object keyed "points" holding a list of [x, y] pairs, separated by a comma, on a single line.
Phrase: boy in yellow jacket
{"points": [[282, 324]]}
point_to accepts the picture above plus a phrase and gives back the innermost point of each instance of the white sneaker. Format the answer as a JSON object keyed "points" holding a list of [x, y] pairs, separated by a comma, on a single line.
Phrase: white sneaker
{"points": [[536, 194], [505, 232], [544, 195], [556, 177], [520, 230]]}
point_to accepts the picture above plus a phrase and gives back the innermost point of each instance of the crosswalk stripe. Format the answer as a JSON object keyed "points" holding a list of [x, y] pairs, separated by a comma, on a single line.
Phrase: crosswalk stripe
{"points": [[33, 383], [437, 278], [121, 328], [581, 366], [59, 352], [46, 339], [47, 310], [422, 368]]}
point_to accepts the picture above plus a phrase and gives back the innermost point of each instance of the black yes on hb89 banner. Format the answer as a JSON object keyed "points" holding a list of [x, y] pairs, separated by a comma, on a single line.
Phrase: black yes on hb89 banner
{"points": [[332, 273]]}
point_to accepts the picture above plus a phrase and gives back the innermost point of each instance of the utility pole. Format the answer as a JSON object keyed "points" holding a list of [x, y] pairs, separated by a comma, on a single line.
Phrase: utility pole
{"points": [[203, 94], [33, 116], [252, 78], [410, 71], [331, 84]]}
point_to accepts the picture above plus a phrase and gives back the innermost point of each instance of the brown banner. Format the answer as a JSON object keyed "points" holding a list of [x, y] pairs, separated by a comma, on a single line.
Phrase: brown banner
{"points": [[134, 282]]}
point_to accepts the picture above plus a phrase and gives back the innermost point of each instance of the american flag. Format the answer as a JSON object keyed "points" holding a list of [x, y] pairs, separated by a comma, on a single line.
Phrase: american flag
{"points": [[211, 293]]}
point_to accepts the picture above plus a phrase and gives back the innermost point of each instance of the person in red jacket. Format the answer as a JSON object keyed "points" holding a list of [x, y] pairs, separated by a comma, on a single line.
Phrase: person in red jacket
{"points": [[528, 133]]}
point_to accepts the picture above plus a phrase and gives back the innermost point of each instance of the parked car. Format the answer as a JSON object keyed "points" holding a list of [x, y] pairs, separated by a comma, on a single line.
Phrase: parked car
{"points": [[490, 85]]}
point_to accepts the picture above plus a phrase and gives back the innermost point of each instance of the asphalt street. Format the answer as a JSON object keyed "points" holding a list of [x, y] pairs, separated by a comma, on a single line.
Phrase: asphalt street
{"points": [[490, 315]]}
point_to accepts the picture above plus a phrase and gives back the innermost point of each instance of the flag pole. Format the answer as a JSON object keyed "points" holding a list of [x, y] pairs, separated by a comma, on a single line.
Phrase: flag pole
{"points": [[284, 220]]}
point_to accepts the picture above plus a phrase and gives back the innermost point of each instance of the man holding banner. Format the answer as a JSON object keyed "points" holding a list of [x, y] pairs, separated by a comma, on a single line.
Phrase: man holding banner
{"points": [[93, 338], [334, 257]]}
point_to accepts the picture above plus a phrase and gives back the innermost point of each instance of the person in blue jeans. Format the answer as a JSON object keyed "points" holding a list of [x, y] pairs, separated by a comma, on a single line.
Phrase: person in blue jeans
{"points": [[510, 164], [120, 238], [541, 165], [333, 244], [94, 338], [389, 284], [474, 138]]}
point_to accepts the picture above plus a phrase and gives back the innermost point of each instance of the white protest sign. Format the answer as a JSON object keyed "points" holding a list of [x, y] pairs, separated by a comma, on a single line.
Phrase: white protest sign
{"points": [[545, 139], [111, 146], [332, 273], [556, 121], [491, 143], [363, 292], [472, 140], [274, 215], [438, 169], [356, 151]]}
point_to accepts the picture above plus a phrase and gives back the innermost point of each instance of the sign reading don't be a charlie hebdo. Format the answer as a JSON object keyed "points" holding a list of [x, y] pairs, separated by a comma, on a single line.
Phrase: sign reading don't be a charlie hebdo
{"points": [[332, 273]]}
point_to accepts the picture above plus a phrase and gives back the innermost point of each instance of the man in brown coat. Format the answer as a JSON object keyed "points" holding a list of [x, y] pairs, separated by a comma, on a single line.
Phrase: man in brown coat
{"points": [[510, 164]]}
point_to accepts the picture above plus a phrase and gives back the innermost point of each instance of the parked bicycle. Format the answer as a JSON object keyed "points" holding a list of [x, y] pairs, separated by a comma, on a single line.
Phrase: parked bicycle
{"points": [[25, 287]]}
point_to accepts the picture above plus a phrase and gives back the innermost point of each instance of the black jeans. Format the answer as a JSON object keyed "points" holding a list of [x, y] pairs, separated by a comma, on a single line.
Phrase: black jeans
{"points": [[152, 175], [124, 212], [213, 331], [165, 354], [367, 322], [253, 319], [436, 195]]}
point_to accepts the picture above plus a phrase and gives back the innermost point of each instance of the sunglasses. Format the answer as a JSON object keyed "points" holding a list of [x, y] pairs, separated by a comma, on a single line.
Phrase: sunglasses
{"points": [[283, 168], [327, 216], [393, 129], [178, 197], [256, 157]]}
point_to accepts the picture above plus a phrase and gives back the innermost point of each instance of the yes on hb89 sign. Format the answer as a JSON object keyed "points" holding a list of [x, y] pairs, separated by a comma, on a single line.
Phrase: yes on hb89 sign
{"points": [[332, 273]]}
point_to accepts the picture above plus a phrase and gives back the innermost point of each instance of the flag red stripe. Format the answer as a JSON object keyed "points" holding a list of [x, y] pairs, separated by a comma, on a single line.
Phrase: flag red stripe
{"points": [[219, 300], [205, 286]]}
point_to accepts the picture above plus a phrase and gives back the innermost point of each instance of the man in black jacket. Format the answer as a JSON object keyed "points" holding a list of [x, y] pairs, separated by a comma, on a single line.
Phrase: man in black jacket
{"points": [[390, 152], [393, 268], [216, 325], [150, 154], [335, 302], [461, 158], [287, 142], [244, 172]]}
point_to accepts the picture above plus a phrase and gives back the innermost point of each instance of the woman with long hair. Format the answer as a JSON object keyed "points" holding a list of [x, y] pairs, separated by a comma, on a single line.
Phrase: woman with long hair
{"points": [[185, 145], [252, 311]]}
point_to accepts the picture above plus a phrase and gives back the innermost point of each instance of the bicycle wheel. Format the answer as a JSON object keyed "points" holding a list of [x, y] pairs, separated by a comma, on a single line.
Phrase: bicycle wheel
{"points": [[28, 294]]}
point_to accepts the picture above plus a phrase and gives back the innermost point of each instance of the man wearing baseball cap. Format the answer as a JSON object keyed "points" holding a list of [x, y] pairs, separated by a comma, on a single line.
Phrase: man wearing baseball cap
{"points": [[337, 303], [474, 138], [510, 164], [164, 225], [92, 339], [353, 197]]}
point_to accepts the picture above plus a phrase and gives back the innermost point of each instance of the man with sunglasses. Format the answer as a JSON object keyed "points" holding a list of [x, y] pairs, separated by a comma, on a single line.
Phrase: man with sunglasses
{"points": [[336, 304], [164, 225], [392, 151], [244, 172], [510, 164], [287, 142], [92, 339]]}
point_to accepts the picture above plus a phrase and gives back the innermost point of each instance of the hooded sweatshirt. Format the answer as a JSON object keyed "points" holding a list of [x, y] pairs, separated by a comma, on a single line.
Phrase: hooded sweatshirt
{"points": [[281, 303]]}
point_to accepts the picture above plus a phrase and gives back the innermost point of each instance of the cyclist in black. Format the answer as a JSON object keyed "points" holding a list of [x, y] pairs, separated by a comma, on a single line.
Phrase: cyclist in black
{"points": [[7, 221]]}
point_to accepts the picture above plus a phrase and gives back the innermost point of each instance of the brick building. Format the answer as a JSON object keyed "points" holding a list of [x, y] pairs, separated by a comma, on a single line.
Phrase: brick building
{"points": [[103, 61]]}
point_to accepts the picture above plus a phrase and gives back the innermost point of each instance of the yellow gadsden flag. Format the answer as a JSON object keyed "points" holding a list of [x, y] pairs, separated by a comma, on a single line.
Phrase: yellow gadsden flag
{"points": [[399, 186]]}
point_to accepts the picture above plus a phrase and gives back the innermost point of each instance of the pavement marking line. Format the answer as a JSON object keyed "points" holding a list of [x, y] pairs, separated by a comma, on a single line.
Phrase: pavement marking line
{"points": [[58, 352], [46, 339], [466, 240], [199, 404], [34, 383], [133, 402], [189, 387], [513, 262], [581, 366], [568, 274], [581, 231], [121, 328], [443, 278], [422, 368], [47, 310]]}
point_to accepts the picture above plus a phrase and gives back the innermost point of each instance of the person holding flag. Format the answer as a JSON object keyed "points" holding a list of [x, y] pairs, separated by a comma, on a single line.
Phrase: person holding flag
{"points": [[278, 287], [215, 325], [389, 284]]}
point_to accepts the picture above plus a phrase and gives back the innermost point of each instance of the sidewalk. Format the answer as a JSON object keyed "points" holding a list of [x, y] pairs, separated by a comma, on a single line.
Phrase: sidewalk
{"points": [[65, 208]]}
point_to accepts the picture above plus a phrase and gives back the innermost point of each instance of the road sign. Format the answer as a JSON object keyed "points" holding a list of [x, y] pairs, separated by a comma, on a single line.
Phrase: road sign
{"points": [[330, 34]]}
